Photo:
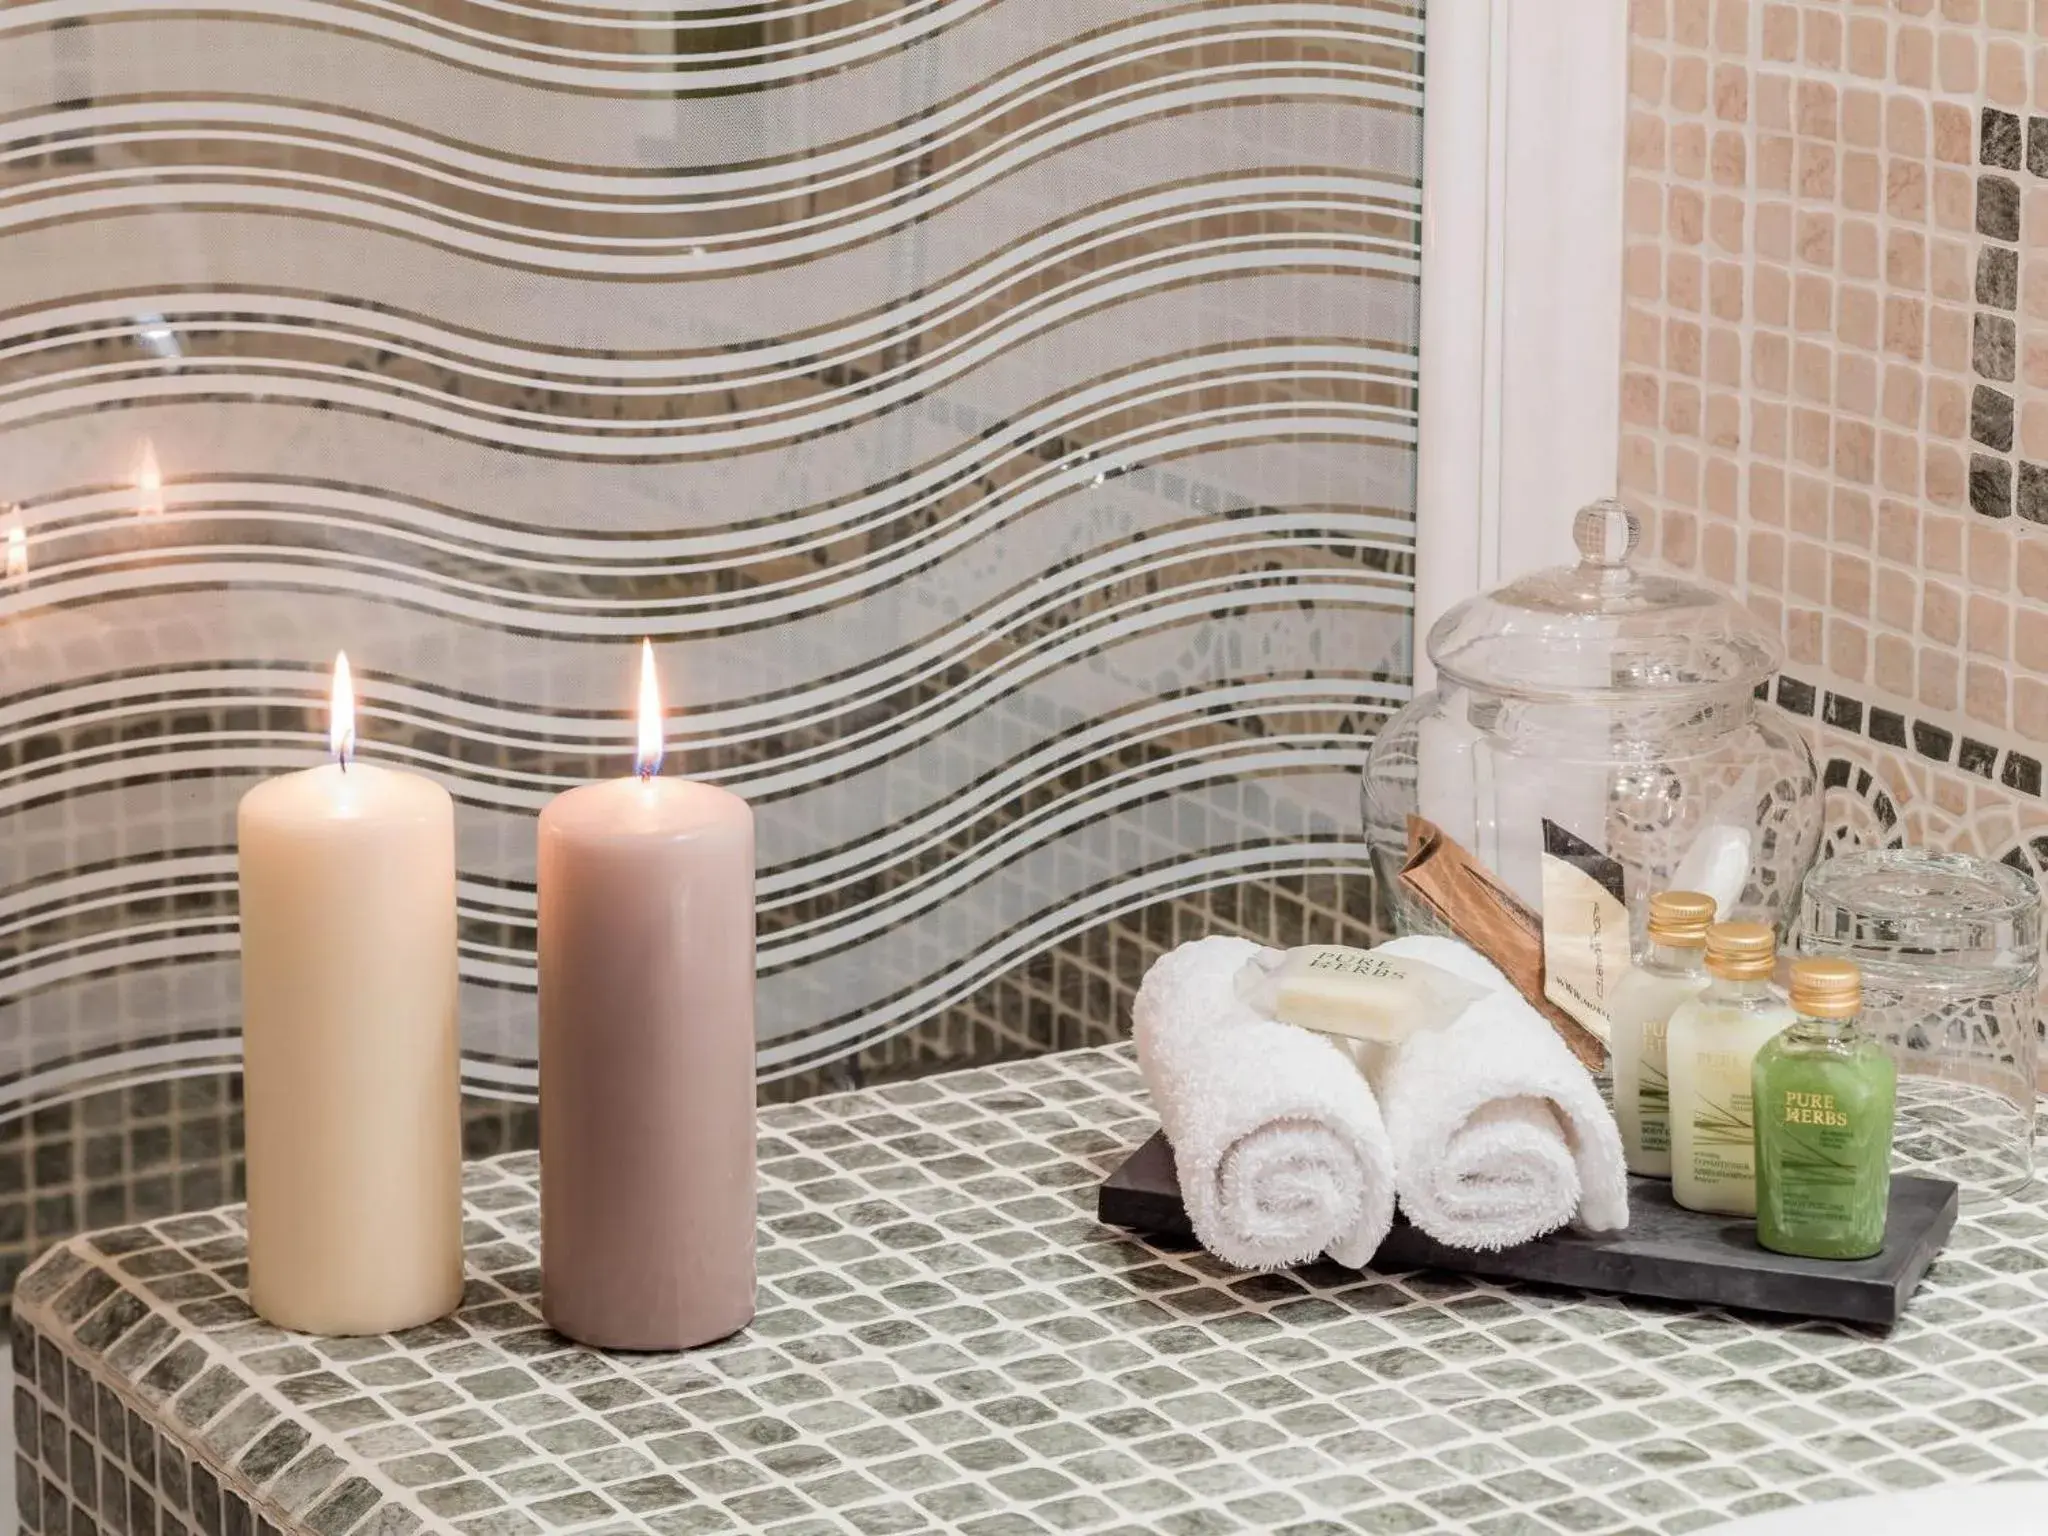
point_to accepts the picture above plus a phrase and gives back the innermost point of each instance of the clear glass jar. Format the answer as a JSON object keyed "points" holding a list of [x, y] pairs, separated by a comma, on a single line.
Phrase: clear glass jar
{"points": [[1950, 950], [1620, 705]]}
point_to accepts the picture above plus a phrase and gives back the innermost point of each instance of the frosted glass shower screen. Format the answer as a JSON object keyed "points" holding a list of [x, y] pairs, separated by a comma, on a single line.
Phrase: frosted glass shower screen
{"points": [[999, 413]]}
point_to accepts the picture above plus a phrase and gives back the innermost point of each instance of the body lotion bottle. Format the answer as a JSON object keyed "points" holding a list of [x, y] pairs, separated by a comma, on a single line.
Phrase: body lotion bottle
{"points": [[1711, 1047], [1825, 1097], [1672, 973]]}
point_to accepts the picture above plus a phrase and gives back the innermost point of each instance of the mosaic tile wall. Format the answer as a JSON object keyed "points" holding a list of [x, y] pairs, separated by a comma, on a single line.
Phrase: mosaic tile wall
{"points": [[999, 412], [1836, 379]]}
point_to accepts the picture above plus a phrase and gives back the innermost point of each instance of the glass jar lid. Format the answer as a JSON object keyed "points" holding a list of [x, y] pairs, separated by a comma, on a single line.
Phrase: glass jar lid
{"points": [[1602, 631], [1890, 905]]}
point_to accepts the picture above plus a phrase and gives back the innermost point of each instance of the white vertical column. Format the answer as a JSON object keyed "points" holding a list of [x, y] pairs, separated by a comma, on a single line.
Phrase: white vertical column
{"points": [[1457, 466], [1524, 126]]}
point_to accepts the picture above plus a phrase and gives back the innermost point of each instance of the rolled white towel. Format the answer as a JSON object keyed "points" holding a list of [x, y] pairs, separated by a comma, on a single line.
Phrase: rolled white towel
{"points": [[1499, 1133], [1281, 1151]]}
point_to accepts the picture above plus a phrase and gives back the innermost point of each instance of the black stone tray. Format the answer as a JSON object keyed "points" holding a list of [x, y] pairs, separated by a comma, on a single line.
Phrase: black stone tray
{"points": [[1667, 1252]]}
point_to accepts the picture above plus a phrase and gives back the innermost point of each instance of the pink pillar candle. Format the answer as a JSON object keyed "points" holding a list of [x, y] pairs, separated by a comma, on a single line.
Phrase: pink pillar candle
{"points": [[646, 889]]}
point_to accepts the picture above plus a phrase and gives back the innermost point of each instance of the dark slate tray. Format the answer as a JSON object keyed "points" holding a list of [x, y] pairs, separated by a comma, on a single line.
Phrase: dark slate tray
{"points": [[1667, 1252]]}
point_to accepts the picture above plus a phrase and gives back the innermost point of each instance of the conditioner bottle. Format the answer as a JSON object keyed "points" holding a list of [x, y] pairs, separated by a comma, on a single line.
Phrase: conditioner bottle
{"points": [[1711, 1048]]}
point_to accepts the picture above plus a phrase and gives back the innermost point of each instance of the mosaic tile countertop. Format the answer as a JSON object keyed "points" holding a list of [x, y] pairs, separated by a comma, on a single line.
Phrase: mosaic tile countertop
{"points": [[948, 1341]]}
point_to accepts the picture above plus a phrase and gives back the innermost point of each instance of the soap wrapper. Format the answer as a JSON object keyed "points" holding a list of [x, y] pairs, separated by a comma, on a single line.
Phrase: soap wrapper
{"points": [[1359, 994], [1585, 928]]}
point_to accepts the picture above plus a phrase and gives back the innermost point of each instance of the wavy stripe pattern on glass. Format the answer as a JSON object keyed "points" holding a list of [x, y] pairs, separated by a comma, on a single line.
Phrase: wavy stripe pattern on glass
{"points": [[999, 413]]}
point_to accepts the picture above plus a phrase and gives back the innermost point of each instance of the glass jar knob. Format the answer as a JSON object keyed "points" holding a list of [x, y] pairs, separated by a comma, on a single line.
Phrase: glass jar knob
{"points": [[1606, 533]]}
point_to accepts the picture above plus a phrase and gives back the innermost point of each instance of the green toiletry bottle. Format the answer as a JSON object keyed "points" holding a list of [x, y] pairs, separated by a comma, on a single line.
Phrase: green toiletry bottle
{"points": [[1825, 1093]]}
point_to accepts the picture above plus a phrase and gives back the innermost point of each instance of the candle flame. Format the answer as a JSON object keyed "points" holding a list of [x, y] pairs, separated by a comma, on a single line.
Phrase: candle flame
{"points": [[17, 546], [647, 756], [149, 482], [341, 713]]}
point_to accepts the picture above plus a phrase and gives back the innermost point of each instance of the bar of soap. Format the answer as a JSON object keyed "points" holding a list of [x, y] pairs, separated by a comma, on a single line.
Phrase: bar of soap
{"points": [[1358, 994]]}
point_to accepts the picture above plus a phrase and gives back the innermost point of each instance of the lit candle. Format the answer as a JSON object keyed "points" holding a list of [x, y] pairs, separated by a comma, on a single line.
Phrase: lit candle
{"points": [[351, 1077], [647, 1056], [149, 482], [17, 545]]}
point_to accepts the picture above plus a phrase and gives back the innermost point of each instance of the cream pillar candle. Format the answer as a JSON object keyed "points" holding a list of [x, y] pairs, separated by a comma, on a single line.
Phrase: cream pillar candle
{"points": [[647, 1057], [350, 1072]]}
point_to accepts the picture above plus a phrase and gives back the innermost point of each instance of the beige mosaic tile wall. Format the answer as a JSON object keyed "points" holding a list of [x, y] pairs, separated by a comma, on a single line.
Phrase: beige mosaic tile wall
{"points": [[1836, 378]]}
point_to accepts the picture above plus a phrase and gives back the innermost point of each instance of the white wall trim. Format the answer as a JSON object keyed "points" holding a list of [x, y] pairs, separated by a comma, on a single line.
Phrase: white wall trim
{"points": [[1525, 122]]}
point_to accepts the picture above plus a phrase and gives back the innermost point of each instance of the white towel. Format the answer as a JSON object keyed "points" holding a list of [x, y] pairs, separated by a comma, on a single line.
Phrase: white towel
{"points": [[1499, 1133], [1281, 1151]]}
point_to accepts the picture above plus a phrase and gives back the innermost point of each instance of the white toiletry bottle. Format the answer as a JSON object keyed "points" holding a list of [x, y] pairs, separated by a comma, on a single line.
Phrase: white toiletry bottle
{"points": [[1672, 973], [1710, 1047]]}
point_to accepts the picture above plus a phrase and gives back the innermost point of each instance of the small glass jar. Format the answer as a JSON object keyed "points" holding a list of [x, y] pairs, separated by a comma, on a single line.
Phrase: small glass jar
{"points": [[1622, 707], [1949, 947]]}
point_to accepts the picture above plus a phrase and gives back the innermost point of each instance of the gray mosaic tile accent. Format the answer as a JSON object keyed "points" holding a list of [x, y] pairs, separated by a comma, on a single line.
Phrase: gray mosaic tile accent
{"points": [[948, 1341]]}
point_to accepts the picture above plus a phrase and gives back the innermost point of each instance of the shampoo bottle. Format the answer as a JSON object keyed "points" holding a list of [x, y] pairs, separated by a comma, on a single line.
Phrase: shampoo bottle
{"points": [[1825, 1096], [1711, 1047], [1672, 973]]}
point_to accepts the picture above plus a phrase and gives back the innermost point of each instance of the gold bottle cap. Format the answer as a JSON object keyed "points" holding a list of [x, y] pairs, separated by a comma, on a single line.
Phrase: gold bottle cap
{"points": [[1680, 918], [1826, 988], [1741, 951]]}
